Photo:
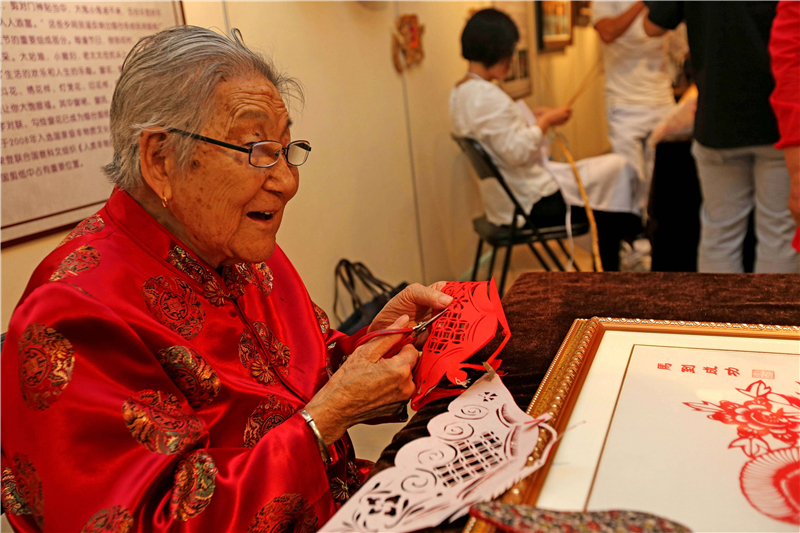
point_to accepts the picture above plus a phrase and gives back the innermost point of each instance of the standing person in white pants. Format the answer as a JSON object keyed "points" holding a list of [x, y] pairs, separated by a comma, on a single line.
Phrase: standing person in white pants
{"points": [[732, 181], [734, 131], [638, 85]]}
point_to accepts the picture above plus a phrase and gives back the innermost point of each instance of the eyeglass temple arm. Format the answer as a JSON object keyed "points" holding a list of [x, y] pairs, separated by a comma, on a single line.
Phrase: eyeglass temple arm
{"points": [[210, 140]]}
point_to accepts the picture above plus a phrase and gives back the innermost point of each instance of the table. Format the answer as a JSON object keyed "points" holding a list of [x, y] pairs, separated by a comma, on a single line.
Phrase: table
{"points": [[541, 306]]}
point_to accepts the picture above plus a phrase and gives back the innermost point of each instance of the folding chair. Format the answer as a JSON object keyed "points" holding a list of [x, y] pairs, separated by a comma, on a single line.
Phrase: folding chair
{"points": [[510, 236]]}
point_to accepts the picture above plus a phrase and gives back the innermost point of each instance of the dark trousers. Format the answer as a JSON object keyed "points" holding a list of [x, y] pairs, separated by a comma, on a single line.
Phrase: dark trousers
{"points": [[611, 227]]}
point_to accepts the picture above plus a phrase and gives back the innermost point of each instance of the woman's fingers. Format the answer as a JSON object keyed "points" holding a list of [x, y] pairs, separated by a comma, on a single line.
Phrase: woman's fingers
{"points": [[376, 348], [425, 297], [415, 301]]}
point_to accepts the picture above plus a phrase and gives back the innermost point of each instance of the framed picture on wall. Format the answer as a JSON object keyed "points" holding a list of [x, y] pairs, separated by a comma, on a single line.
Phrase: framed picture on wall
{"points": [[518, 82], [56, 101], [698, 423], [553, 24]]}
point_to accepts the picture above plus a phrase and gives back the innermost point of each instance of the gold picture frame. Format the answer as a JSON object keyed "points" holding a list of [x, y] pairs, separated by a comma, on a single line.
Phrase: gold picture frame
{"points": [[628, 343]]}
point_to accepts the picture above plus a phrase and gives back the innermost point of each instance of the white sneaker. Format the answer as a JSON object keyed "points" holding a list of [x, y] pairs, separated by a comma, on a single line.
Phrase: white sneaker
{"points": [[636, 258]]}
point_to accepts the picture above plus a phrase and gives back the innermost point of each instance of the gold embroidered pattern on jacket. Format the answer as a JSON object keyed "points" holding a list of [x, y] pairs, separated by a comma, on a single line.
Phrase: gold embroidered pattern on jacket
{"points": [[191, 373], [285, 514], [159, 423], [322, 318], [343, 489], [13, 502], [117, 519], [83, 259], [174, 304], [270, 413], [46, 361], [22, 490], [93, 224], [261, 277], [263, 366], [183, 261], [194, 485]]}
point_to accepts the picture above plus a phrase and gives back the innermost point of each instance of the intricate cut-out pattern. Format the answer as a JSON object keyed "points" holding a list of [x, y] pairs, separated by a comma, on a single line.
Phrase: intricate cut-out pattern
{"points": [[477, 450], [467, 325], [771, 479]]}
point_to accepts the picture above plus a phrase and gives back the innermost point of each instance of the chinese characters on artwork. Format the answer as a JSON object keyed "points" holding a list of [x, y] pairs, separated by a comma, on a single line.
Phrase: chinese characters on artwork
{"points": [[728, 371]]}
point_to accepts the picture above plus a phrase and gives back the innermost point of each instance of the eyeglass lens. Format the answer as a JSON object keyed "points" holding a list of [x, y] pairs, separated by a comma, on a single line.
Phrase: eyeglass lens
{"points": [[265, 154]]}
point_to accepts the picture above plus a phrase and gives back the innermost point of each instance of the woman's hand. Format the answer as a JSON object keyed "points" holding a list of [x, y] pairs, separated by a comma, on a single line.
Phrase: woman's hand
{"points": [[366, 386], [555, 117], [415, 301]]}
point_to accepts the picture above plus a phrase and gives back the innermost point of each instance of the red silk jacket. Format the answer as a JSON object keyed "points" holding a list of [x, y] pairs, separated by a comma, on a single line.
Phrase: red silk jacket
{"points": [[144, 391]]}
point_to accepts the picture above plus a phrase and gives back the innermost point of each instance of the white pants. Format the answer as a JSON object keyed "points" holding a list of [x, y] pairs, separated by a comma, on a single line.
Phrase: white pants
{"points": [[610, 182], [628, 128], [733, 181]]}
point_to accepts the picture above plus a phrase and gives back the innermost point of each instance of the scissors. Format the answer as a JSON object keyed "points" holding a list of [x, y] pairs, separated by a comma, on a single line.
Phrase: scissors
{"points": [[409, 335]]}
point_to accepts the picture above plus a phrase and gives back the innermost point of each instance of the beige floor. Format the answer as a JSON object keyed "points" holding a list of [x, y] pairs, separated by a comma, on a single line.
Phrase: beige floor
{"points": [[369, 441]]}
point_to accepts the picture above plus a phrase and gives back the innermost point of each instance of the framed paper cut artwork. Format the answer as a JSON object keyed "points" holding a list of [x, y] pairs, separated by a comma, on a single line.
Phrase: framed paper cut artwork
{"points": [[553, 24], [698, 423]]}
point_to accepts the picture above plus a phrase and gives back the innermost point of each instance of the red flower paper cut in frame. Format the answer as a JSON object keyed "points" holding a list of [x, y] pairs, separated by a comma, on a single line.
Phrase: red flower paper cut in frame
{"points": [[770, 480], [766, 414]]}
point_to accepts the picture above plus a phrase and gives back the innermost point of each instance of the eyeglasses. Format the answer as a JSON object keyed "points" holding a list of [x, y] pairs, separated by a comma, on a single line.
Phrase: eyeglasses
{"points": [[262, 154]]}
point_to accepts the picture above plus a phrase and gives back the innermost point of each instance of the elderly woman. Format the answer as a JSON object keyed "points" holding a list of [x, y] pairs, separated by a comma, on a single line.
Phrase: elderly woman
{"points": [[166, 368], [481, 110]]}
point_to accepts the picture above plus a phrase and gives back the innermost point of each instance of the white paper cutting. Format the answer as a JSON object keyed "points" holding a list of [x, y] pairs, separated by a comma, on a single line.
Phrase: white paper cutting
{"points": [[477, 450]]}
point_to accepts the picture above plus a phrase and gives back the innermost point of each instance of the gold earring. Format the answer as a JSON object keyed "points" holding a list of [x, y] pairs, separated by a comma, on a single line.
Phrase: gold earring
{"points": [[164, 201]]}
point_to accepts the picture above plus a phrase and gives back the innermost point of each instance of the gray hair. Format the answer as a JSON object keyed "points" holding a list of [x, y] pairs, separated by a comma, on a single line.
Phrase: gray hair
{"points": [[169, 80]]}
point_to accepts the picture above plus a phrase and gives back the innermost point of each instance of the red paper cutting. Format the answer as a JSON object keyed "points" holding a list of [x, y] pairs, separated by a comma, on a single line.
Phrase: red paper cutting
{"points": [[771, 479], [468, 324]]}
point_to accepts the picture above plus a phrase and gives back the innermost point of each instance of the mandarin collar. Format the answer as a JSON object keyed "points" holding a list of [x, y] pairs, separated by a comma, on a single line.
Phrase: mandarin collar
{"points": [[132, 219]]}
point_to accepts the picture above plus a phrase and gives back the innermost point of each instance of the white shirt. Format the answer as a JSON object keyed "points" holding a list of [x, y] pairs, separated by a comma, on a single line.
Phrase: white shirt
{"points": [[482, 111], [637, 70]]}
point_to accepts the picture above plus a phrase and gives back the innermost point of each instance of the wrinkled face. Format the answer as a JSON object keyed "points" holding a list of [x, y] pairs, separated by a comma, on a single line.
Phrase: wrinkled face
{"points": [[230, 210]]}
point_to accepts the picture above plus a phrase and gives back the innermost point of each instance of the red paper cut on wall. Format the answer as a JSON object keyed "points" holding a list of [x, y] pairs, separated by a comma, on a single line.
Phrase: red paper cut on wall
{"points": [[466, 326], [771, 479]]}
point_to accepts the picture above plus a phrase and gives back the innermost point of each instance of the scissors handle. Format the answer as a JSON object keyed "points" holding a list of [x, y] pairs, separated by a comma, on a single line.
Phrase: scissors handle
{"points": [[409, 335], [406, 338]]}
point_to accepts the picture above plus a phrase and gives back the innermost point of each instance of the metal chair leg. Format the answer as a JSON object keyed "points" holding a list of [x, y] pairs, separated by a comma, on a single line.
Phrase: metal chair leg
{"points": [[491, 263], [563, 249], [539, 257], [506, 264], [477, 260], [552, 255]]}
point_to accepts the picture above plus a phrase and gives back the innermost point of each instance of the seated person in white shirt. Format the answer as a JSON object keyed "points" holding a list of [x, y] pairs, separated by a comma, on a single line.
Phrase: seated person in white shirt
{"points": [[482, 111]]}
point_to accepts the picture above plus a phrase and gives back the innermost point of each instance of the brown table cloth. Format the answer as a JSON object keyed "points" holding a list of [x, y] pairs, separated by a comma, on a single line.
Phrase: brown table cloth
{"points": [[541, 307]]}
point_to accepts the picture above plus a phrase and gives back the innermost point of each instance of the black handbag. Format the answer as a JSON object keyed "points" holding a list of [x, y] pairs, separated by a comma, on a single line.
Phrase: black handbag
{"points": [[368, 295]]}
